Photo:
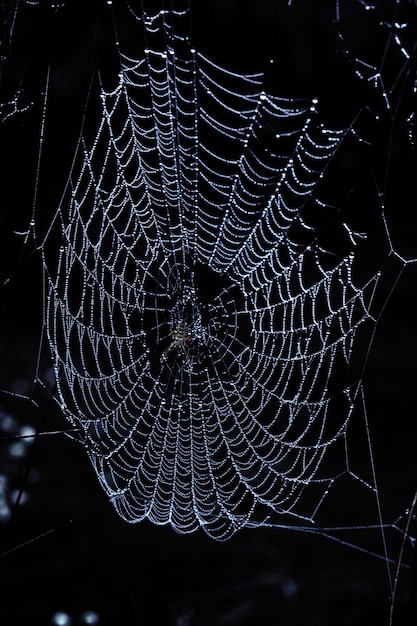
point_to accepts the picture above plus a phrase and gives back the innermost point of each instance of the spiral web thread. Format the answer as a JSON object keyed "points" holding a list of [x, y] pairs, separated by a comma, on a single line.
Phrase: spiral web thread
{"points": [[204, 328]]}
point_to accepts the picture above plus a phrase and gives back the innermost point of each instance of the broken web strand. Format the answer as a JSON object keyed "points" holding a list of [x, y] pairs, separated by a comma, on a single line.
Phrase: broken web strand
{"points": [[407, 537], [19, 441], [263, 348], [391, 91]]}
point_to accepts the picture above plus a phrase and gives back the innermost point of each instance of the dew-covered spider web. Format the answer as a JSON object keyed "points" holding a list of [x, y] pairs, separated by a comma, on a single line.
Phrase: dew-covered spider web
{"points": [[216, 254]]}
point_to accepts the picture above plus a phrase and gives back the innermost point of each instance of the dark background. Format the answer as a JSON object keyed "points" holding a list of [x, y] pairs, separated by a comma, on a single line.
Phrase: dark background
{"points": [[64, 547]]}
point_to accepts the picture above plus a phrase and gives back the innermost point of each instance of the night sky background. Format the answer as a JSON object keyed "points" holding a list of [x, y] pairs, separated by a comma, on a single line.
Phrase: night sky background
{"points": [[64, 548]]}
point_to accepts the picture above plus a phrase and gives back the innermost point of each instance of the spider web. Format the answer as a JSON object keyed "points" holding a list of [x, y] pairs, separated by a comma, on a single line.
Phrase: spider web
{"points": [[161, 229], [204, 197]]}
